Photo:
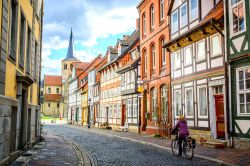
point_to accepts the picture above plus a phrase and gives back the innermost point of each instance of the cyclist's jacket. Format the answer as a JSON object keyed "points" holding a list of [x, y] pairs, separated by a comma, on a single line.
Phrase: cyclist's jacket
{"points": [[182, 127]]}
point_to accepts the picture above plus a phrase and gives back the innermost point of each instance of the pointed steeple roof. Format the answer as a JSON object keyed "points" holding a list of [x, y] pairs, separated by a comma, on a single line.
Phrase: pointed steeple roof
{"points": [[71, 51]]}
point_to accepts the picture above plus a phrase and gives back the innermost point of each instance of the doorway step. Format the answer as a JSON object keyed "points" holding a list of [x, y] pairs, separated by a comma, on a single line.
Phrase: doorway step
{"points": [[215, 143]]}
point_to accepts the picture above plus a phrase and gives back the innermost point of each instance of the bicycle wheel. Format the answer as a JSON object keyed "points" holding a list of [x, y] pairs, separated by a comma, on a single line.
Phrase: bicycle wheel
{"points": [[188, 150], [175, 147]]}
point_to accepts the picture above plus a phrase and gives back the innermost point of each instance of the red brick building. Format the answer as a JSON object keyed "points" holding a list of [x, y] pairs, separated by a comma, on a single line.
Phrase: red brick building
{"points": [[155, 72]]}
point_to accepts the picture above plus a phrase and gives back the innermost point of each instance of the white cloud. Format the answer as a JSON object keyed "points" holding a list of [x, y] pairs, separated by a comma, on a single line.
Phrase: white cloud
{"points": [[109, 22]]}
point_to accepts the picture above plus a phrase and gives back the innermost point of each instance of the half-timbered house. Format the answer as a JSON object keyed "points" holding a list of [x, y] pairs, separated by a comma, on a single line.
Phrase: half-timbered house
{"points": [[238, 51], [197, 66]]}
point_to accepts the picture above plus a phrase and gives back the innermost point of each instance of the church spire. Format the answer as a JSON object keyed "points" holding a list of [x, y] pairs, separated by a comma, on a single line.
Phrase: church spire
{"points": [[71, 51]]}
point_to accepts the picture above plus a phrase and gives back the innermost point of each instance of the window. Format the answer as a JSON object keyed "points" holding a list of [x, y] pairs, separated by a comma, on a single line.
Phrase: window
{"points": [[22, 41], [48, 104], [65, 66], [216, 45], [177, 103], [145, 62], [243, 91], [183, 13], [193, 9], [49, 90], [188, 56], [28, 51], [174, 22], [177, 60], [238, 16], [129, 107], [35, 61], [135, 107], [154, 103], [163, 53], [13, 29], [202, 102], [161, 10], [144, 24], [201, 50], [153, 57], [164, 101], [189, 102], [58, 105], [57, 90], [152, 17]]}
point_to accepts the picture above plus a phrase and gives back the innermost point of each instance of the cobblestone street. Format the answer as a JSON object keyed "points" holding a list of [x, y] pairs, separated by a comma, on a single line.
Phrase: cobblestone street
{"points": [[105, 150]]}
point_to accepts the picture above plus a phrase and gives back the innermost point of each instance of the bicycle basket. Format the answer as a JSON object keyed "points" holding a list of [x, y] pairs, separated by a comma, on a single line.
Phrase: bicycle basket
{"points": [[193, 143]]}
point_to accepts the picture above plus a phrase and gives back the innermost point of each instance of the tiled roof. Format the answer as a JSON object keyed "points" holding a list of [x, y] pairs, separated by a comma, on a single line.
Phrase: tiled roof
{"points": [[52, 80], [52, 97], [129, 65], [80, 65]]}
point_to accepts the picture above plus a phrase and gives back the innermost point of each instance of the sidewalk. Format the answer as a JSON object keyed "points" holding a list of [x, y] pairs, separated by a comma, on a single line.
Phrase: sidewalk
{"points": [[56, 151], [225, 156]]}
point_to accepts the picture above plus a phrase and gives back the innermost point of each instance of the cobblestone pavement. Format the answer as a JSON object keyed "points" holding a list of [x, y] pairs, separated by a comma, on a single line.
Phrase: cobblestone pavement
{"points": [[107, 150], [56, 152], [226, 156]]}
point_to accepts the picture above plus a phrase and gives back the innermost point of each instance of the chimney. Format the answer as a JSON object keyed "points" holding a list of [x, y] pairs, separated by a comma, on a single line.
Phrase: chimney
{"points": [[137, 24]]}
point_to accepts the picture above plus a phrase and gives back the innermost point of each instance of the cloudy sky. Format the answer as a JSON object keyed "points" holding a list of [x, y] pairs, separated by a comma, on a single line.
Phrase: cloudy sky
{"points": [[96, 25]]}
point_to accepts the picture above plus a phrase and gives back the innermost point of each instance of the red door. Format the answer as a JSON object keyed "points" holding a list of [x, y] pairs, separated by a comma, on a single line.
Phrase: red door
{"points": [[123, 114], [220, 121]]}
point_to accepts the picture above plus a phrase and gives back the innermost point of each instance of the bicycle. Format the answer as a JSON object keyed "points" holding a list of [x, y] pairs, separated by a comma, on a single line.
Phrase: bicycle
{"points": [[187, 147]]}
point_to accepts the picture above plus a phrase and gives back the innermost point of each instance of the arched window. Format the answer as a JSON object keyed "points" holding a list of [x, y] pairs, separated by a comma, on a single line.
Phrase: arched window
{"points": [[161, 10], [153, 56], [57, 90], [164, 102], [65, 66], [163, 53], [145, 61], [154, 103], [144, 23], [152, 17]]}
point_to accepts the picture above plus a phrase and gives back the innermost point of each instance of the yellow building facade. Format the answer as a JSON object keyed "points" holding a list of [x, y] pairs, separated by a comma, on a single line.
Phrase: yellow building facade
{"points": [[20, 64]]}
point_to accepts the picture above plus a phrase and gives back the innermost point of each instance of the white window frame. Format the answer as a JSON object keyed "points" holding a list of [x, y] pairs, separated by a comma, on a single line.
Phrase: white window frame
{"points": [[192, 102], [162, 10], [135, 107], [163, 52], [211, 41], [180, 100], [177, 29], [174, 62], [231, 15], [152, 17], [197, 14], [181, 24], [199, 99], [129, 108], [153, 57], [145, 62], [198, 58], [244, 91], [185, 55], [144, 22]]}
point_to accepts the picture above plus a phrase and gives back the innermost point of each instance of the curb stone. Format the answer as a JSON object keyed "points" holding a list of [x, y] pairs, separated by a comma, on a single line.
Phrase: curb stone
{"points": [[222, 163]]}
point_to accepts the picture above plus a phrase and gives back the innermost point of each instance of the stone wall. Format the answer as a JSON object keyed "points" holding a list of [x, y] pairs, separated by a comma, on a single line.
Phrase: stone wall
{"points": [[241, 143]]}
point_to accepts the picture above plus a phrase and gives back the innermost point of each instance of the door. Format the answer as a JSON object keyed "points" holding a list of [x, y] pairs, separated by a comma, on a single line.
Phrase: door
{"points": [[123, 114], [13, 129], [107, 114], [220, 120], [29, 126]]}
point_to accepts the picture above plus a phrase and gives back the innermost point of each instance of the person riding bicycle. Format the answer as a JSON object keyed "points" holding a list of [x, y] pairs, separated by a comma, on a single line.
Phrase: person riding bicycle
{"points": [[182, 128]]}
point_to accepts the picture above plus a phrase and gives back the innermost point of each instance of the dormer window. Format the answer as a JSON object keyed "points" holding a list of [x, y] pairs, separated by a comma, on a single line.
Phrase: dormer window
{"points": [[193, 9], [238, 16], [174, 22], [152, 17]]}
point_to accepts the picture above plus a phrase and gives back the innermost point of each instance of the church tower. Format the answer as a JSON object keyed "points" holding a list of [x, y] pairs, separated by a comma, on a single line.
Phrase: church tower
{"points": [[70, 58]]}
